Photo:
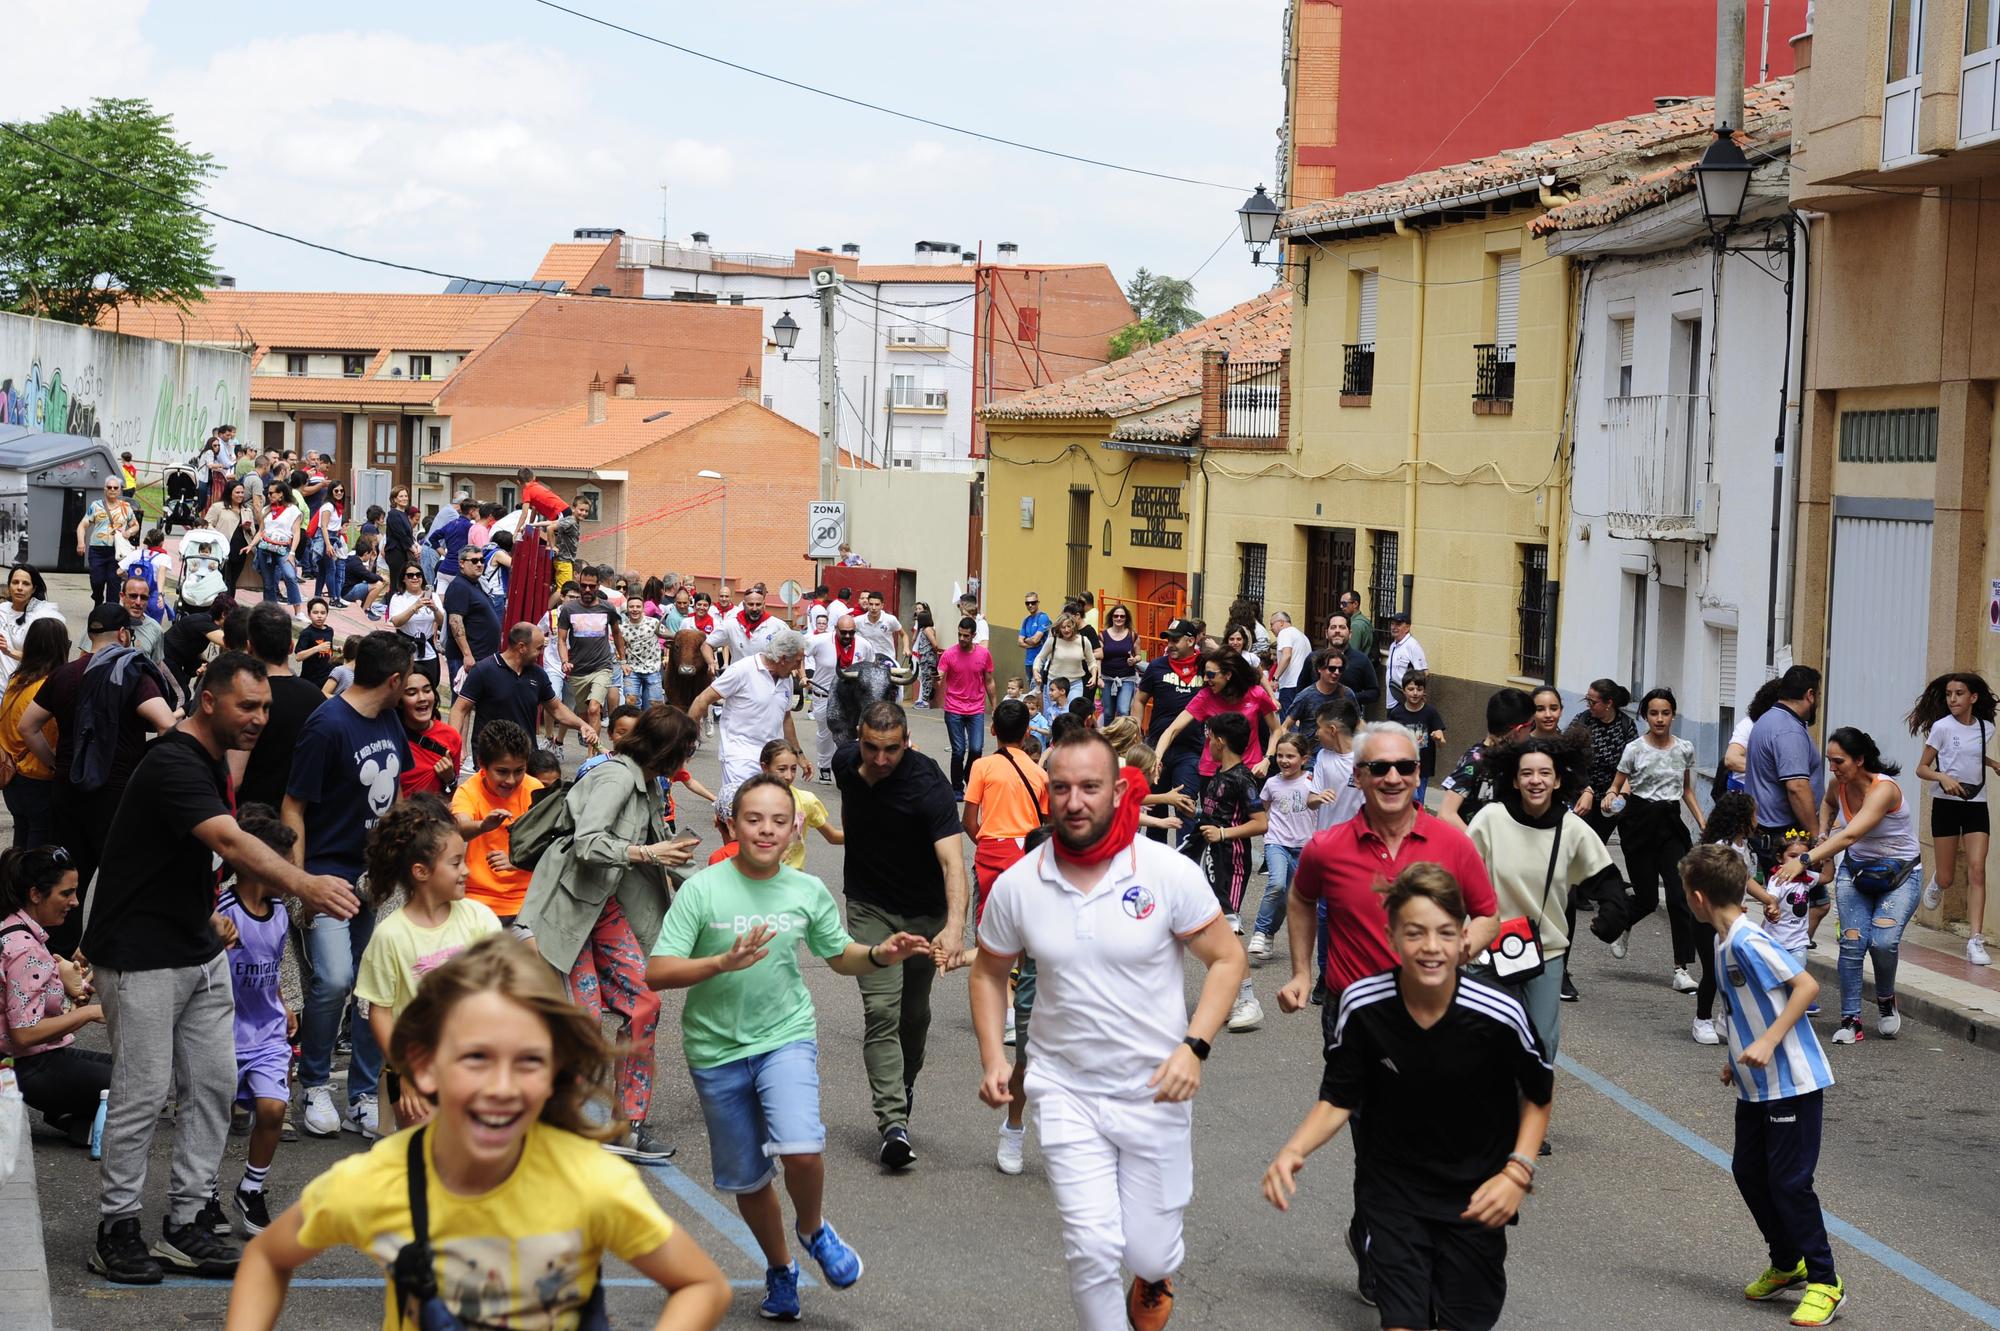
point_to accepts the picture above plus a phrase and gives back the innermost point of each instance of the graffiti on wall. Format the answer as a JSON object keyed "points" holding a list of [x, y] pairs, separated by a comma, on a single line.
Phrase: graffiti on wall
{"points": [[43, 401], [44, 398]]}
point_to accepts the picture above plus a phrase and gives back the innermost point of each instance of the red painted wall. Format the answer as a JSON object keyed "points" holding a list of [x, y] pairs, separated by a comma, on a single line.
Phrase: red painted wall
{"points": [[1410, 71]]}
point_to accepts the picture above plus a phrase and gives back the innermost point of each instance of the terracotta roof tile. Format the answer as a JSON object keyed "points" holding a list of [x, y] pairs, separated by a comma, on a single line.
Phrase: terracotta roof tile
{"points": [[563, 434], [1630, 146], [1169, 427], [329, 388], [1628, 196], [332, 320], [1258, 329], [569, 262]]}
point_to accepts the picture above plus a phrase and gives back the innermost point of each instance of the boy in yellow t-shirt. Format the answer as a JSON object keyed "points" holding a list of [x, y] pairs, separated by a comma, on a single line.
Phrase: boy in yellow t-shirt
{"points": [[499, 792]]}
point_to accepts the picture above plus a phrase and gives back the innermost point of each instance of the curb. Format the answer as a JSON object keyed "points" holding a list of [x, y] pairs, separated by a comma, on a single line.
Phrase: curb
{"points": [[1975, 1028]]}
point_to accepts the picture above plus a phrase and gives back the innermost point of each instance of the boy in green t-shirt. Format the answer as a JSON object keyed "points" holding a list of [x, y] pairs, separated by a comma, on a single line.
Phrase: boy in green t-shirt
{"points": [[748, 1028]]}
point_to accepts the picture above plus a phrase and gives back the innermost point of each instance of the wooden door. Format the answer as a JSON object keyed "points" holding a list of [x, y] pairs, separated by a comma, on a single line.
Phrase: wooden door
{"points": [[1329, 572]]}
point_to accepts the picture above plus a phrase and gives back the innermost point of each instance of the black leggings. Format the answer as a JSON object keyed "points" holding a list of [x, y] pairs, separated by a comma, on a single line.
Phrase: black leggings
{"points": [[1655, 839], [64, 1083], [1704, 996]]}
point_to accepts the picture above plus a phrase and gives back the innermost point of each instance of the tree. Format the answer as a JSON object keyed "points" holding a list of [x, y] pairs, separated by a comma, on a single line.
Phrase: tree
{"points": [[95, 210], [1164, 307], [1133, 336]]}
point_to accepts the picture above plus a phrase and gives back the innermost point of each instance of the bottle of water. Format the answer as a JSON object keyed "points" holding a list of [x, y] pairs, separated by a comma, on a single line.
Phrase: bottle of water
{"points": [[97, 1125]]}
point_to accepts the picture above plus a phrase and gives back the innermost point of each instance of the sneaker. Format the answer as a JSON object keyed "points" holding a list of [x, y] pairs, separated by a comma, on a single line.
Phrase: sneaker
{"points": [[1318, 996], [1008, 1158], [1235, 924], [1888, 1020], [1812, 1009], [1849, 1032], [640, 1144], [120, 1254], [192, 1249], [252, 1211], [1975, 951], [1704, 1032], [1774, 1281], [840, 1264], [825, 777], [1149, 1304], [1364, 1271], [364, 1115], [1933, 893], [781, 1294], [1247, 1014], [896, 1152], [1623, 945], [1569, 993], [1821, 1304], [1683, 982], [1259, 947], [322, 1119], [1007, 1033], [212, 1219]]}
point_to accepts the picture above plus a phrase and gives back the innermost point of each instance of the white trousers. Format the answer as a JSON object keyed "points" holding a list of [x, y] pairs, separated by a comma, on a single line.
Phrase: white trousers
{"points": [[823, 733], [1123, 1173]]}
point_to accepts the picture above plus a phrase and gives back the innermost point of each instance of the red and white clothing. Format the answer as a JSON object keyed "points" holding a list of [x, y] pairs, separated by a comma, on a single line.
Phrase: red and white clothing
{"points": [[824, 659], [742, 640], [1110, 1007], [758, 703]]}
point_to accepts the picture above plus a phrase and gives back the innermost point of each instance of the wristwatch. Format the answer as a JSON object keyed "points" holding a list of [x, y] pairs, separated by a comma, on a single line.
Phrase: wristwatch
{"points": [[1199, 1045]]}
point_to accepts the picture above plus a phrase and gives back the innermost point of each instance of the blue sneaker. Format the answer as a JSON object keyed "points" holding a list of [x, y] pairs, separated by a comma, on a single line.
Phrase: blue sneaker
{"points": [[840, 1264], [781, 1294]]}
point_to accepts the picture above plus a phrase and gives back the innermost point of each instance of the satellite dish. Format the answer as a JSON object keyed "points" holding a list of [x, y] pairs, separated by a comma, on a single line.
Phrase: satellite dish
{"points": [[790, 593]]}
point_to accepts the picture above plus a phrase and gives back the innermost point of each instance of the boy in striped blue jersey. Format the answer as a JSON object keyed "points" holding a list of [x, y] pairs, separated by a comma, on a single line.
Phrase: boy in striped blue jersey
{"points": [[1781, 1075]]}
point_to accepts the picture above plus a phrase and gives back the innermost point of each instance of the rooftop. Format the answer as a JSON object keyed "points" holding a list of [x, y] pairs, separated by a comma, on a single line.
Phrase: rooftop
{"points": [[1628, 196], [1599, 158], [1163, 373], [348, 321], [569, 262], [629, 424]]}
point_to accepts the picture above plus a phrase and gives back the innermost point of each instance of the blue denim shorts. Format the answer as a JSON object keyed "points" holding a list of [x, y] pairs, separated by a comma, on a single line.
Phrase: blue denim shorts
{"points": [[759, 1108]]}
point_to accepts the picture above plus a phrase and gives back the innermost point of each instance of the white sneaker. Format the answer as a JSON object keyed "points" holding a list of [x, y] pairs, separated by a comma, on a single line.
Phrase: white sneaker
{"points": [[1975, 951], [1683, 982], [1247, 1014], [363, 1116], [1623, 945], [1235, 924], [1260, 947], [1007, 1159], [1932, 893], [1704, 1032], [1889, 1022], [321, 1118], [1007, 1033]]}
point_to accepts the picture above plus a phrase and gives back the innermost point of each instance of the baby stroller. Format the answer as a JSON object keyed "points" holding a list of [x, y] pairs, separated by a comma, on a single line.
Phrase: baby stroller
{"points": [[183, 503], [203, 550]]}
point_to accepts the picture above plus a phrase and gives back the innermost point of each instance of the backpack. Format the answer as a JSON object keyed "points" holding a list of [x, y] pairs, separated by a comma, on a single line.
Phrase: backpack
{"points": [[546, 822], [143, 567], [109, 682]]}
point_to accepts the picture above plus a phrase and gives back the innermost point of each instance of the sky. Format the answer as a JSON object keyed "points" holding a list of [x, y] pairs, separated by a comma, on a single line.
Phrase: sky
{"points": [[467, 136]]}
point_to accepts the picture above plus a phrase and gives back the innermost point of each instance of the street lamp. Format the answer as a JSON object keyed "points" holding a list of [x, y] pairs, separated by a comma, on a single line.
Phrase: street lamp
{"points": [[1259, 215], [1723, 178], [723, 580], [785, 333]]}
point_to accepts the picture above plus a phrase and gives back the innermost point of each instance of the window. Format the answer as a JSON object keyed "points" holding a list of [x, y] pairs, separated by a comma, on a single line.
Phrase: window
{"points": [[1903, 81], [1252, 560], [274, 436], [1907, 434], [1078, 574], [353, 366], [509, 497], [296, 362], [903, 335], [1621, 347], [436, 438], [596, 498], [903, 444], [385, 443], [1636, 586], [934, 395], [1979, 72], [1493, 362], [768, 399], [1382, 581], [1507, 302], [903, 388], [1535, 616], [1367, 289], [932, 437], [1357, 379], [420, 367]]}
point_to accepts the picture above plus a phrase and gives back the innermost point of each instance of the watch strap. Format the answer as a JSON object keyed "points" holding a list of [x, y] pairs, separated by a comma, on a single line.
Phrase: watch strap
{"points": [[1199, 1045]]}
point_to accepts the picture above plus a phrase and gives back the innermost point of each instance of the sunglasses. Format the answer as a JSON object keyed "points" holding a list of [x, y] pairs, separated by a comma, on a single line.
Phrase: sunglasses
{"points": [[1381, 767], [1211, 674]]}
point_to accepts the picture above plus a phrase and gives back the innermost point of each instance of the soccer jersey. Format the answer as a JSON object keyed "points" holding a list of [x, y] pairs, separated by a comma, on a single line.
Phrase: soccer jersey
{"points": [[253, 971], [1441, 1105], [1753, 973]]}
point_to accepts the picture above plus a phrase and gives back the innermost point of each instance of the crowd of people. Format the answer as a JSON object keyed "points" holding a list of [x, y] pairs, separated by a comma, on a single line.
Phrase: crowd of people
{"points": [[421, 924]]}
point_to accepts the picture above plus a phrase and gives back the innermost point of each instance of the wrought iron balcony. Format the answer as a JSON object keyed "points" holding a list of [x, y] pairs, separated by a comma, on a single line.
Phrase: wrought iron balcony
{"points": [[1357, 373]]}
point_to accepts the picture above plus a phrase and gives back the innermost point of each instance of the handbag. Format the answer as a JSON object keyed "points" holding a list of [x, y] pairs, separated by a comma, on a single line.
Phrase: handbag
{"points": [[545, 823], [414, 1272], [1515, 954]]}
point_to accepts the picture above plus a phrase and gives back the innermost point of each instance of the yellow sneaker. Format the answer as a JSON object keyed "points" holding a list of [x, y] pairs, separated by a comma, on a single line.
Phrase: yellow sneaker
{"points": [[1821, 1304], [1773, 1281]]}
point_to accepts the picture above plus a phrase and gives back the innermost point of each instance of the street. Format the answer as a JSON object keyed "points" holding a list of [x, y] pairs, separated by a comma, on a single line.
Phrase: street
{"points": [[1635, 1221]]}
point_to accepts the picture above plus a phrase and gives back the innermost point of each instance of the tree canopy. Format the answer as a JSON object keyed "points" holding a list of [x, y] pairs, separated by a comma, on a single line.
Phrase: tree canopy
{"points": [[94, 210], [1165, 306]]}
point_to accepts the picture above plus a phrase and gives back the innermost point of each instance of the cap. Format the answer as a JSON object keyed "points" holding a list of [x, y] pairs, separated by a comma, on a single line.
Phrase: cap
{"points": [[1180, 628], [109, 618], [1399, 617]]}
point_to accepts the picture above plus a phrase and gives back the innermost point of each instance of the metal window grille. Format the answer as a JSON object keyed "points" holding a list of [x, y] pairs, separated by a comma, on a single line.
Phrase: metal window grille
{"points": [[1535, 611], [1357, 377], [1250, 399], [1905, 434], [1253, 561], [1382, 580], [1493, 372]]}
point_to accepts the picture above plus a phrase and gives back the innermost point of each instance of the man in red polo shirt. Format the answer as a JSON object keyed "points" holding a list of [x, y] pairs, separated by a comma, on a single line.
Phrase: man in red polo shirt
{"points": [[1350, 867]]}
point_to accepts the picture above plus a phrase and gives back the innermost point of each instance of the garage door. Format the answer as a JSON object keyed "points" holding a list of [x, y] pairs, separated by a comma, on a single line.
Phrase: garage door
{"points": [[1878, 634]]}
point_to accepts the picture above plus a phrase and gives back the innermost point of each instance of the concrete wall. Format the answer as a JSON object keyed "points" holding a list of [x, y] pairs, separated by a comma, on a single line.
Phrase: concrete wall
{"points": [[157, 400], [916, 520]]}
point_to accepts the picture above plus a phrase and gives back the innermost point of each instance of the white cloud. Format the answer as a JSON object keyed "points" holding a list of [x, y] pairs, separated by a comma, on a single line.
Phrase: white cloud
{"points": [[690, 162]]}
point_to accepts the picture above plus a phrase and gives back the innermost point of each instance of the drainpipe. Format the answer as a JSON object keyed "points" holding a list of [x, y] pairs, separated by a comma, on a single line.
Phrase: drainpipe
{"points": [[1791, 425], [1413, 449]]}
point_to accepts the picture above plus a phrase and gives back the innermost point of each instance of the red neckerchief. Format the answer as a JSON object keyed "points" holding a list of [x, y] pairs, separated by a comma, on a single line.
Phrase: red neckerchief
{"points": [[843, 652], [1124, 824], [1188, 673]]}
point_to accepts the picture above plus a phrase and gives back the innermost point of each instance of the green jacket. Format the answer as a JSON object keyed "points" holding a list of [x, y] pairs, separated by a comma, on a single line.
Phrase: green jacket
{"points": [[614, 807], [1363, 634]]}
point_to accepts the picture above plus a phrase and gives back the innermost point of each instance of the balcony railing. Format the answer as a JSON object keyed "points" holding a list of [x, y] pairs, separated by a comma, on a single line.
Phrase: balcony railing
{"points": [[1493, 372], [1656, 448], [1250, 399], [1357, 371], [911, 399]]}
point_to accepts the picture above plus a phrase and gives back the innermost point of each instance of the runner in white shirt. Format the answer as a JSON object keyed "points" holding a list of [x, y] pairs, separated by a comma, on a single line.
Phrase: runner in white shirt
{"points": [[879, 634], [758, 694], [1114, 1058], [1405, 654], [745, 630], [1294, 650], [826, 653]]}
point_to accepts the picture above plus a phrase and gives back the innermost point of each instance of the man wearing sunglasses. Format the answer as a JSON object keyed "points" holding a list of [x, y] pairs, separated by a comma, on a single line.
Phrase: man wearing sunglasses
{"points": [[1349, 867], [1034, 630]]}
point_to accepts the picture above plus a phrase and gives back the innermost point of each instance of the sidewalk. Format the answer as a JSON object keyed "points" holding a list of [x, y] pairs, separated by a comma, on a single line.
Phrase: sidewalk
{"points": [[1935, 984]]}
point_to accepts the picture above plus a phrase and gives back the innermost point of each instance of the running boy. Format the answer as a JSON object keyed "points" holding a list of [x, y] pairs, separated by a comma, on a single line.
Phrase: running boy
{"points": [[731, 939], [1231, 814], [264, 1025], [495, 795], [1456, 1090], [1781, 1075]]}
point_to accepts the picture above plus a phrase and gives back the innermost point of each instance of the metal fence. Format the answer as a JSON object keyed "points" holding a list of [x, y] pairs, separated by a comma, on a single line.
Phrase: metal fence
{"points": [[1493, 372], [1357, 370], [1655, 447], [1250, 399]]}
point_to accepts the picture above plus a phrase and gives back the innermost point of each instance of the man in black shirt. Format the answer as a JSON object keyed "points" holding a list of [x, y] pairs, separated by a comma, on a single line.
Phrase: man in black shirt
{"points": [[905, 870], [1359, 672], [1169, 682], [511, 685], [269, 764], [1322, 686], [472, 626], [1456, 1086], [162, 978]]}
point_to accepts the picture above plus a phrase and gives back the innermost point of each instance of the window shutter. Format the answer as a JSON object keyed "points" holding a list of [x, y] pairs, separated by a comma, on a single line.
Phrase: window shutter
{"points": [[1624, 341], [1507, 303], [1364, 321], [1725, 673]]}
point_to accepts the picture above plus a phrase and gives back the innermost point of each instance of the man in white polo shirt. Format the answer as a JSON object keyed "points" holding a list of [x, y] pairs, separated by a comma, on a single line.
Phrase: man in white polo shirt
{"points": [[1114, 1058], [747, 629], [880, 634], [757, 691]]}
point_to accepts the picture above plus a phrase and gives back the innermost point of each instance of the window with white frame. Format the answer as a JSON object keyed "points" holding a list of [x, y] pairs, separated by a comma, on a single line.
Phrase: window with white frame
{"points": [[903, 388], [903, 335], [1621, 356], [934, 395], [1979, 73], [1902, 81]]}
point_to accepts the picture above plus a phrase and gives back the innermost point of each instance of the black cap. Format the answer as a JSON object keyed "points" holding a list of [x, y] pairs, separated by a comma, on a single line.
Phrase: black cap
{"points": [[1399, 617], [1180, 628], [109, 618]]}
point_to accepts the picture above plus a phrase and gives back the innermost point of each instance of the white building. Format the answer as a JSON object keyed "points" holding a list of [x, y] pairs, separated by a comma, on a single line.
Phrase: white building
{"points": [[1683, 410]]}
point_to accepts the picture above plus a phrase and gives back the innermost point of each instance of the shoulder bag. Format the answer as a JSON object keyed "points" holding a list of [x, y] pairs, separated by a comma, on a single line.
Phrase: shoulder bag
{"points": [[1515, 954], [1041, 832]]}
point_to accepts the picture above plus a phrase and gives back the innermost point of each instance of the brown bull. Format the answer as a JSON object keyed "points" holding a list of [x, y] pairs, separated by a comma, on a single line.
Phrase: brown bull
{"points": [[685, 672]]}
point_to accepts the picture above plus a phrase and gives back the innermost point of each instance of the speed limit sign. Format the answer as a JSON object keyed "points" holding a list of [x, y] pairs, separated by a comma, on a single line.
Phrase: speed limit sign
{"points": [[826, 528]]}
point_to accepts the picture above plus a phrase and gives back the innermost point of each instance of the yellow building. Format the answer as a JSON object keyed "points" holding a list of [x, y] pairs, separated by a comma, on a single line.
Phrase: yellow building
{"points": [[1093, 483]]}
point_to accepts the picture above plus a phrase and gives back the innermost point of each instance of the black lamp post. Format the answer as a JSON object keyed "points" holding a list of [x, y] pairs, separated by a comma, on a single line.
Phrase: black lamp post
{"points": [[1723, 178], [785, 333], [1259, 215]]}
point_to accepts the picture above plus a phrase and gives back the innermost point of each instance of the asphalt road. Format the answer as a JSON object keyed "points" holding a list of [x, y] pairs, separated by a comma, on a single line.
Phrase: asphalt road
{"points": [[1635, 1223]]}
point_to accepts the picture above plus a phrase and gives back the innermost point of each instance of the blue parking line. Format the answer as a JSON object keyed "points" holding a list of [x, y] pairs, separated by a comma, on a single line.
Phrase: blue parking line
{"points": [[1911, 1270]]}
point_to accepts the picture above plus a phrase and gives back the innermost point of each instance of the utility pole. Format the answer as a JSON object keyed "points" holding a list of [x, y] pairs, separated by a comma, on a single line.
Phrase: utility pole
{"points": [[1729, 20], [826, 285]]}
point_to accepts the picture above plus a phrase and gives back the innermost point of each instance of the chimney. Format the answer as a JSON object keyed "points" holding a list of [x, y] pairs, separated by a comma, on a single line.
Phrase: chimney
{"points": [[823, 249], [851, 248], [970, 256], [746, 387], [594, 413], [1009, 252], [224, 282], [700, 239], [623, 384]]}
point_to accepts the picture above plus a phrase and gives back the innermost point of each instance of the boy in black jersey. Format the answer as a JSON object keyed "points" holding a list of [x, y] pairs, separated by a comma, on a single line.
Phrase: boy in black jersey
{"points": [[1232, 812], [1456, 1089]]}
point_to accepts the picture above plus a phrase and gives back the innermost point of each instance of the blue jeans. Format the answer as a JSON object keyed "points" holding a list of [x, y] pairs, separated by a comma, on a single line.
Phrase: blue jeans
{"points": [[968, 742], [279, 575], [759, 1108], [642, 687], [1285, 697], [1280, 863], [332, 581], [1872, 926], [1115, 697], [333, 951], [1542, 997]]}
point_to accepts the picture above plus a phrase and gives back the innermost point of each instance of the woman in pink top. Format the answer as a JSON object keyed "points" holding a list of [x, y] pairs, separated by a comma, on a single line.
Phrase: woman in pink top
{"points": [[967, 672], [1229, 684]]}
